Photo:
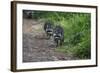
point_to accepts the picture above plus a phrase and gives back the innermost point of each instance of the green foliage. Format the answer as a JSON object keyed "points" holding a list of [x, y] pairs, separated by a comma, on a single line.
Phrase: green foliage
{"points": [[77, 31]]}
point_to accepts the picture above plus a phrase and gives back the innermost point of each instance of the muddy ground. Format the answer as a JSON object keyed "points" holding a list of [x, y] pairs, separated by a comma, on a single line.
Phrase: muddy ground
{"points": [[36, 46]]}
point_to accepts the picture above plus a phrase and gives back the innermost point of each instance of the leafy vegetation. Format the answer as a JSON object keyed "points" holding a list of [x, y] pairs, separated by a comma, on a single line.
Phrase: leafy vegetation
{"points": [[77, 31]]}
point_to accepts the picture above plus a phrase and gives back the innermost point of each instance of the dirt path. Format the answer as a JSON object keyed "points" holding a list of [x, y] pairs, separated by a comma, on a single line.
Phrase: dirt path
{"points": [[36, 46]]}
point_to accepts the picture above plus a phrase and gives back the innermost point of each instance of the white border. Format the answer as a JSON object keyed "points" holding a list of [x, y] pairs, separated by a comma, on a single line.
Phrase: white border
{"points": [[34, 65]]}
